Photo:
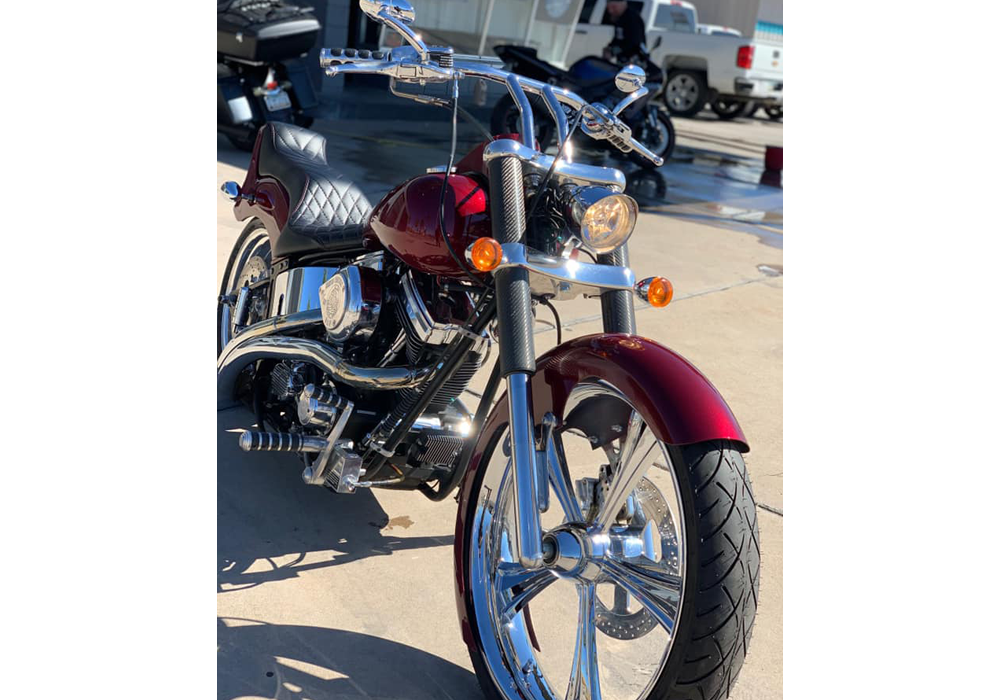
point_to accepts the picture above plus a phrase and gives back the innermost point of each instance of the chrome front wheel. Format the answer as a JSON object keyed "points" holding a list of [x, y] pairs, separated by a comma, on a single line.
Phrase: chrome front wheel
{"points": [[649, 585], [598, 620]]}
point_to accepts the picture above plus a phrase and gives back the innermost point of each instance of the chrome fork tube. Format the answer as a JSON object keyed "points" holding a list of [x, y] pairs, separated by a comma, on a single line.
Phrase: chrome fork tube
{"points": [[527, 543]]}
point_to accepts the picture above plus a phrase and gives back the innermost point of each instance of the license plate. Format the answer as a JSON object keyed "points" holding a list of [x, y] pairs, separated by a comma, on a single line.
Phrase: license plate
{"points": [[278, 101]]}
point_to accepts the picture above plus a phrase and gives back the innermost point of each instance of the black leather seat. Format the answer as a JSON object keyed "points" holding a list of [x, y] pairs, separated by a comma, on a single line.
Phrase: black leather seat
{"points": [[328, 212]]}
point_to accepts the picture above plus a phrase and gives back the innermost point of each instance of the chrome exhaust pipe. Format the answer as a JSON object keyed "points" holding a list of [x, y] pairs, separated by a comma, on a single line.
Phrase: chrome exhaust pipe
{"points": [[244, 350]]}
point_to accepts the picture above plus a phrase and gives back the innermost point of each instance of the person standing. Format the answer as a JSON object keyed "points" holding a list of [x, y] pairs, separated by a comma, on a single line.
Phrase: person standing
{"points": [[630, 32]]}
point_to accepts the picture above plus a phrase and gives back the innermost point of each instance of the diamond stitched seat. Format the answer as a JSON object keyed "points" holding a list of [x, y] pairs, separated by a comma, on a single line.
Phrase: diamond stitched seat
{"points": [[327, 211]]}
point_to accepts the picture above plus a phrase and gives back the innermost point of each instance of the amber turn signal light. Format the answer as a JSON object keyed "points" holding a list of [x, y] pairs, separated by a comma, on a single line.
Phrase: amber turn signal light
{"points": [[657, 291], [485, 254]]}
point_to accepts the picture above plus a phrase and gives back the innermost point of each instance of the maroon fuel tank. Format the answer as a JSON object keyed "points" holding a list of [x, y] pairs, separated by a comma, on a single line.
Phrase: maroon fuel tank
{"points": [[406, 221]]}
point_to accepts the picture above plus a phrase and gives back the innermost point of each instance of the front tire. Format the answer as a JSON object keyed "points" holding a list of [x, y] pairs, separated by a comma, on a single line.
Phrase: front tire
{"points": [[703, 509], [658, 137], [505, 120]]}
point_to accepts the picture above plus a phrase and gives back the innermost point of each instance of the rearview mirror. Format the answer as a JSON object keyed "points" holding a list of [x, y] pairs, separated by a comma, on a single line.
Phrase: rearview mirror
{"points": [[397, 14], [396, 9], [630, 78]]}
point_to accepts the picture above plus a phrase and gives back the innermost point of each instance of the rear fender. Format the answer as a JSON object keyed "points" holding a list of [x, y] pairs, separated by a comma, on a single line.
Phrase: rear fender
{"points": [[682, 405]]}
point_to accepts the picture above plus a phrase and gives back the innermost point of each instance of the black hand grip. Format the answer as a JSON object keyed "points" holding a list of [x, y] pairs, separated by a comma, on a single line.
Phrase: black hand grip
{"points": [[328, 57]]}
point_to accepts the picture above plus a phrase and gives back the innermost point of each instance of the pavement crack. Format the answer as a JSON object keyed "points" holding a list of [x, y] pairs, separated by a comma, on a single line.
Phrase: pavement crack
{"points": [[770, 509]]}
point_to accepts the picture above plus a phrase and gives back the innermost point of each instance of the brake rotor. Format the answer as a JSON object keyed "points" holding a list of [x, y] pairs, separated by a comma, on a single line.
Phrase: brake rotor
{"points": [[617, 621], [254, 270]]}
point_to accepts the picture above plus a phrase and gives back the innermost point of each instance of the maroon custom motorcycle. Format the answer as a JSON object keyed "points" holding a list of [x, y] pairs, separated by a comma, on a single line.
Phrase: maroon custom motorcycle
{"points": [[606, 542]]}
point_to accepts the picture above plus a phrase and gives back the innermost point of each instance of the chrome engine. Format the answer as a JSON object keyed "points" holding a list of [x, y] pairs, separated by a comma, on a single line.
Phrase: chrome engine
{"points": [[351, 300]]}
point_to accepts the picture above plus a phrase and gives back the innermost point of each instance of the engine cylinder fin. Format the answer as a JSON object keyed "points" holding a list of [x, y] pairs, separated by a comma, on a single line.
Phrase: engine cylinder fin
{"points": [[439, 449]]}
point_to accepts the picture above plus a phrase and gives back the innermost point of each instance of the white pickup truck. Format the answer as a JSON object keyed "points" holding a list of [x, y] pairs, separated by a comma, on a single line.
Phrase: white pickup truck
{"points": [[721, 68]]}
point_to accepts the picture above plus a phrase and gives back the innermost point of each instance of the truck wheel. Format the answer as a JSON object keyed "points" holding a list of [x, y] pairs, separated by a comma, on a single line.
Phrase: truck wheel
{"points": [[726, 108], [685, 93], [774, 113]]}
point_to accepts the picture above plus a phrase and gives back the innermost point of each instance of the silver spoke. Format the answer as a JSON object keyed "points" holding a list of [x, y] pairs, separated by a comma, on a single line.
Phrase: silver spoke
{"points": [[528, 584], [584, 678], [620, 605], [560, 480], [657, 591], [639, 449]]}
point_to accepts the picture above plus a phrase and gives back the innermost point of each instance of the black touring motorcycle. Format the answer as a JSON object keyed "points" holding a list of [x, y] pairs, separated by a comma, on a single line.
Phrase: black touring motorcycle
{"points": [[597, 81], [261, 76]]}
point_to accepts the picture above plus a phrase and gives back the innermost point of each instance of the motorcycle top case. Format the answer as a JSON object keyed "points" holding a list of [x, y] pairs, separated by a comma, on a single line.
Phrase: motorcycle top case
{"points": [[265, 30]]}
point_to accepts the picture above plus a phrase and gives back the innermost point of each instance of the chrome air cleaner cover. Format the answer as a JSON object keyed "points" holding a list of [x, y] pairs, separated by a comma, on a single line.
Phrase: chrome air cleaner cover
{"points": [[350, 302]]}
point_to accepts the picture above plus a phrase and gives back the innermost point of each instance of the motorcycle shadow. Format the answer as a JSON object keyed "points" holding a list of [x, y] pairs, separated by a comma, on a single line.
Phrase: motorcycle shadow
{"points": [[272, 527], [296, 662]]}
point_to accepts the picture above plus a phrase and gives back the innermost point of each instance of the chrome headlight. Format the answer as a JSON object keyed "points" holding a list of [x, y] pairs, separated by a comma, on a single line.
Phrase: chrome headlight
{"points": [[606, 218]]}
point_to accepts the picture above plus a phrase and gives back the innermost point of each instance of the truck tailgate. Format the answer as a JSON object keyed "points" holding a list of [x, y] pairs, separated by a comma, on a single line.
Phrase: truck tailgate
{"points": [[767, 61]]}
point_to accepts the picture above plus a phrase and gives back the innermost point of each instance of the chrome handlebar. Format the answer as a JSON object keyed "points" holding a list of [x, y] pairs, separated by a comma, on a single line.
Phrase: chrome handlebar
{"points": [[404, 64]]}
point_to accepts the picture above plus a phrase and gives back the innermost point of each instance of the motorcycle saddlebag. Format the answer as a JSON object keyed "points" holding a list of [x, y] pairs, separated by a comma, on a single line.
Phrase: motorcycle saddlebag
{"points": [[265, 30]]}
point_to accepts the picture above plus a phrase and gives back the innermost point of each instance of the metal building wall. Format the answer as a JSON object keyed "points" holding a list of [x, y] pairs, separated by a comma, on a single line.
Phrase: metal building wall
{"points": [[738, 14]]}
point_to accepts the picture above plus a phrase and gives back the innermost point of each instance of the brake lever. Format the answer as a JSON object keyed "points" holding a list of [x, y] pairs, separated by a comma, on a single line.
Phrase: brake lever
{"points": [[600, 123]]}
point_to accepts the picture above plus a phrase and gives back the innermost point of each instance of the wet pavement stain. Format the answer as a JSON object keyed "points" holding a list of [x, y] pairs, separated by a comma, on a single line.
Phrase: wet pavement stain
{"points": [[402, 521]]}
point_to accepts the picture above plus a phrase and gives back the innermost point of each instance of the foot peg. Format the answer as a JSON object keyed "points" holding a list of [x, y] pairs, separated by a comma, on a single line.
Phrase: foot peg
{"points": [[251, 441]]}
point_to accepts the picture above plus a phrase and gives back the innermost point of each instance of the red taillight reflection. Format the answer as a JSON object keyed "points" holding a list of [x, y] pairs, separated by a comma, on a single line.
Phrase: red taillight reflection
{"points": [[744, 57]]}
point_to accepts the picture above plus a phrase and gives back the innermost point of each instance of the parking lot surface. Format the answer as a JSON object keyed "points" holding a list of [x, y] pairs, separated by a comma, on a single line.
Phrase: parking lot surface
{"points": [[332, 596]]}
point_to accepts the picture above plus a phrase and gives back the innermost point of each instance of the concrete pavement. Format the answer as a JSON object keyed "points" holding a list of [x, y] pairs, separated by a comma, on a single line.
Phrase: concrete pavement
{"points": [[323, 596]]}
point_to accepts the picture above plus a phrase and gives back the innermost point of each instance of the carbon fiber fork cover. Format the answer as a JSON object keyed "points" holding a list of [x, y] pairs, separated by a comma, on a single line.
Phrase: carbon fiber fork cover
{"points": [[617, 308], [507, 199], [514, 321]]}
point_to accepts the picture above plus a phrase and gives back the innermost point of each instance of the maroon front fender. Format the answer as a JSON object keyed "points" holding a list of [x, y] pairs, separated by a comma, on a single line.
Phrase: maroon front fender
{"points": [[681, 404]]}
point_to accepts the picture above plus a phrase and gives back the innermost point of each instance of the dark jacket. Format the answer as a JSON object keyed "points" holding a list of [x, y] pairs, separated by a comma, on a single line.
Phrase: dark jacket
{"points": [[630, 33]]}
